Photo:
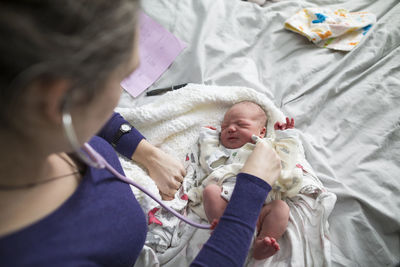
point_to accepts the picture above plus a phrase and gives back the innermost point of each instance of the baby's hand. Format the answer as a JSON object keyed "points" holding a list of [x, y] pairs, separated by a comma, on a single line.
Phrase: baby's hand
{"points": [[283, 126]]}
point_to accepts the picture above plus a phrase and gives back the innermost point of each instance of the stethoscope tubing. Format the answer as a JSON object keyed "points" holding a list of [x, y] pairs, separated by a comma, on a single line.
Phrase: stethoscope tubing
{"points": [[103, 164]]}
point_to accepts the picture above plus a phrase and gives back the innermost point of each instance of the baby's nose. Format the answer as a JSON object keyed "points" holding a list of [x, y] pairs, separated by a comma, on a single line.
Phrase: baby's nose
{"points": [[231, 128]]}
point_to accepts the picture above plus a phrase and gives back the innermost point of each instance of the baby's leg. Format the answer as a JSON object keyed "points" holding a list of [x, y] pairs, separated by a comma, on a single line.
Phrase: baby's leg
{"points": [[214, 204], [271, 225]]}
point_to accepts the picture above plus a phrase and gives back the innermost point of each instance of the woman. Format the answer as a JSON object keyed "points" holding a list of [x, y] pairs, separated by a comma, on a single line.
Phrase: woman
{"points": [[68, 58]]}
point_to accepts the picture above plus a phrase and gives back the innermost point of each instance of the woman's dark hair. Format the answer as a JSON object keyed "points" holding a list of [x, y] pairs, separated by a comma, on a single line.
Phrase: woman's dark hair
{"points": [[81, 41]]}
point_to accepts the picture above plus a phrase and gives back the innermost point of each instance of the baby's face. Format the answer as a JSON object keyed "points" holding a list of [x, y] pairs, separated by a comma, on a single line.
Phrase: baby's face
{"points": [[239, 124]]}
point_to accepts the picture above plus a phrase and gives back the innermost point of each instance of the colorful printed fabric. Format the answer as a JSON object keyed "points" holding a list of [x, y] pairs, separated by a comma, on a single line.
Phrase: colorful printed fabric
{"points": [[337, 29]]}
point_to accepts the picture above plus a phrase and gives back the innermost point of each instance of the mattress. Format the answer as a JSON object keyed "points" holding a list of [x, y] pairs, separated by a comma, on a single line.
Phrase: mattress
{"points": [[347, 104]]}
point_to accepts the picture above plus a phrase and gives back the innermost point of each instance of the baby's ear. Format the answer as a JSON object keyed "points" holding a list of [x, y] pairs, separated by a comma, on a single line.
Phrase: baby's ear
{"points": [[263, 131]]}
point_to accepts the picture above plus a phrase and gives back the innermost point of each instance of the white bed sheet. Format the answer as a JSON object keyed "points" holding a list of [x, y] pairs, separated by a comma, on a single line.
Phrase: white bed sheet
{"points": [[346, 104]]}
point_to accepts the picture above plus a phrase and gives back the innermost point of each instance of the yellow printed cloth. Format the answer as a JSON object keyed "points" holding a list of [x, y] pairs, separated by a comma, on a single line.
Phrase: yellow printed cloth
{"points": [[335, 29]]}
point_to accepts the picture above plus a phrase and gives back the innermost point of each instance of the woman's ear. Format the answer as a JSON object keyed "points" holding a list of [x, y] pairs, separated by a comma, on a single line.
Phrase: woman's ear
{"points": [[54, 95]]}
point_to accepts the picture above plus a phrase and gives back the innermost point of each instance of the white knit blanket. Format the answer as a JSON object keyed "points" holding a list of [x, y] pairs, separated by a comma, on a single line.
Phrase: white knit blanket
{"points": [[173, 123]]}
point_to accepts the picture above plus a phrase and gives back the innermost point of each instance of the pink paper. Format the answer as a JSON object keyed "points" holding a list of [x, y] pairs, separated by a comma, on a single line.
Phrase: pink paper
{"points": [[158, 48]]}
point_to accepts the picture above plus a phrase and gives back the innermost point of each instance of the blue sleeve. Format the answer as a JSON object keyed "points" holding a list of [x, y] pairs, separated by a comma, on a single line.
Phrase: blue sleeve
{"points": [[128, 143], [230, 242]]}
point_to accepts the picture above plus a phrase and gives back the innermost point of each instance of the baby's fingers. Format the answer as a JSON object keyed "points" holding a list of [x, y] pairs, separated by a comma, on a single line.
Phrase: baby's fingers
{"points": [[278, 126], [291, 123], [287, 122]]}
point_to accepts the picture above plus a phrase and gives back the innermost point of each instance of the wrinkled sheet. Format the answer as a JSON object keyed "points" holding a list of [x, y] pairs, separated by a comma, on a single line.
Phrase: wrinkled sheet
{"points": [[347, 104]]}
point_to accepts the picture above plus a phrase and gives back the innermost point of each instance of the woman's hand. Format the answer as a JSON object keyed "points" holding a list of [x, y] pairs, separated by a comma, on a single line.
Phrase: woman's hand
{"points": [[166, 171], [263, 162]]}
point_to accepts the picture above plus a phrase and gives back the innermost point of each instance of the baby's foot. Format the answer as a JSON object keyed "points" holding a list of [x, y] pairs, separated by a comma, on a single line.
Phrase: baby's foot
{"points": [[265, 247]]}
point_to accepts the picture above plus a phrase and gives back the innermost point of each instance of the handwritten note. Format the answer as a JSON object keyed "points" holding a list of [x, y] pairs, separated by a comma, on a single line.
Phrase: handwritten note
{"points": [[158, 48]]}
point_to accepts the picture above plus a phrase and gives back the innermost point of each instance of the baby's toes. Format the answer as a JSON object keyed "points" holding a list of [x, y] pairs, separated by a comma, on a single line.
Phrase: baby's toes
{"points": [[267, 241], [275, 244]]}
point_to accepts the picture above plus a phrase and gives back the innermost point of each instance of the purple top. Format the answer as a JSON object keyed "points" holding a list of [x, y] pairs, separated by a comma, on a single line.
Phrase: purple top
{"points": [[101, 223]]}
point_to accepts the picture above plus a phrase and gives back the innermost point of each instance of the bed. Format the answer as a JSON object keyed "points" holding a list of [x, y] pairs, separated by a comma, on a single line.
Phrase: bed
{"points": [[346, 104]]}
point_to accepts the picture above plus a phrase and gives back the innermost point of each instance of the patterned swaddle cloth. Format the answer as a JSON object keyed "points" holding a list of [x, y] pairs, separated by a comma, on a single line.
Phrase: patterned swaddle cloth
{"points": [[335, 29], [220, 164]]}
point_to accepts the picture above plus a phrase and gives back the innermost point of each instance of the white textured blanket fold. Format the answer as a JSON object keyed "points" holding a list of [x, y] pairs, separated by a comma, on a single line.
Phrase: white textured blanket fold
{"points": [[173, 122]]}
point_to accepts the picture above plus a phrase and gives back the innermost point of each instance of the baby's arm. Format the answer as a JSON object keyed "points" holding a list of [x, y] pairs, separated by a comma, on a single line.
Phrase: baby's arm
{"points": [[208, 143], [289, 148]]}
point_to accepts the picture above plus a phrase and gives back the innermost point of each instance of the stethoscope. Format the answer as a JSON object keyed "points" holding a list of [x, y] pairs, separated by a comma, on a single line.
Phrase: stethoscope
{"points": [[92, 158]]}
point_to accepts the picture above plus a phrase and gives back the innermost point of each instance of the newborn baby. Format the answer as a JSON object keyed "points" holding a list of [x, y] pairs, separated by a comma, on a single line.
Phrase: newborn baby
{"points": [[240, 123]]}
